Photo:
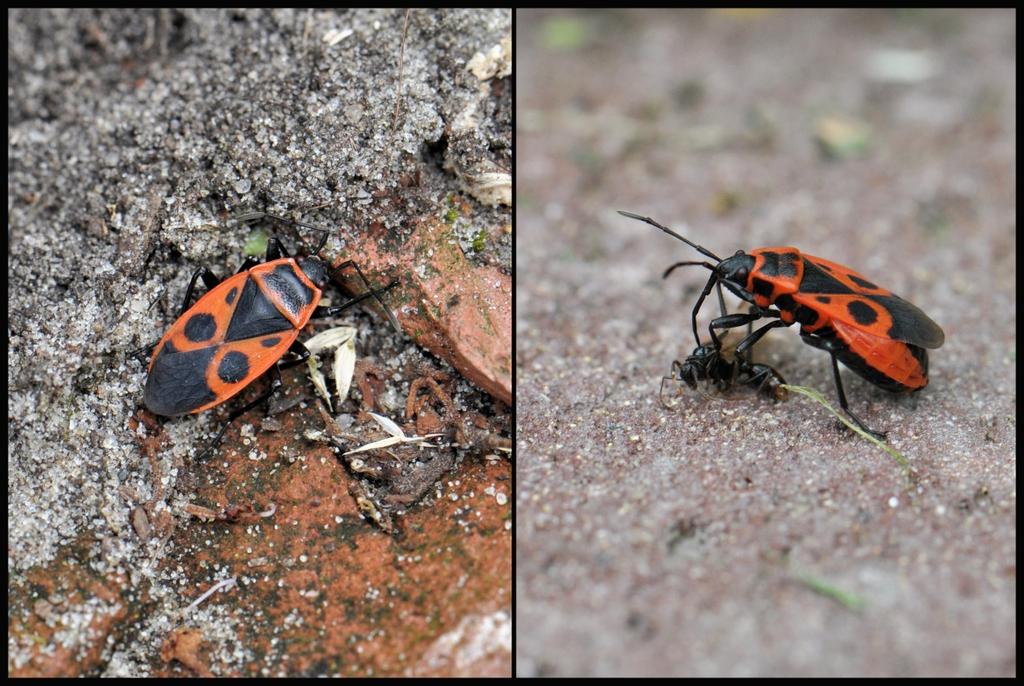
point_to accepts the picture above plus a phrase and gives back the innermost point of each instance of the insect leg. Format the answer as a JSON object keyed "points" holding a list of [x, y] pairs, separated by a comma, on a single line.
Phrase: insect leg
{"points": [[732, 321], [712, 281], [275, 383], [323, 311], [301, 353], [880, 435], [374, 293], [248, 264], [676, 375], [275, 249], [685, 263], [760, 374], [752, 339], [826, 345], [210, 280]]}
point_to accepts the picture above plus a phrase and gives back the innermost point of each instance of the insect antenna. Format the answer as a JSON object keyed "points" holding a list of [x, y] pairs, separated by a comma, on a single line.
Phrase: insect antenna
{"points": [[673, 267], [670, 232]]}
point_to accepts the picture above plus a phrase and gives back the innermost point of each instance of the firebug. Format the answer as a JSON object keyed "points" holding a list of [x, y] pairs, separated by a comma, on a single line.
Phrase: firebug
{"points": [[242, 328], [875, 333]]}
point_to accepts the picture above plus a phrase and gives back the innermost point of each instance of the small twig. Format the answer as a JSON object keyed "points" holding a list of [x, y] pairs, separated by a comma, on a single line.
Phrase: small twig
{"points": [[225, 584], [401, 65]]}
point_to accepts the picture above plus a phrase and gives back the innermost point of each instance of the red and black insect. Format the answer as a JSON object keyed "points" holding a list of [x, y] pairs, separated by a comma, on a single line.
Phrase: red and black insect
{"points": [[877, 334], [241, 330]]}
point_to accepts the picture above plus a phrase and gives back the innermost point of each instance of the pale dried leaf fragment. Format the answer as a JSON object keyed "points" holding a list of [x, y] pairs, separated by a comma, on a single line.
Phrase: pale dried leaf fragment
{"points": [[335, 36], [343, 339], [397, 436]]}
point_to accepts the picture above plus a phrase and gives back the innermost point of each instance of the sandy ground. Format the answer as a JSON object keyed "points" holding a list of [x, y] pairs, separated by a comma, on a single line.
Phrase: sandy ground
{"points": [[733, 536]]}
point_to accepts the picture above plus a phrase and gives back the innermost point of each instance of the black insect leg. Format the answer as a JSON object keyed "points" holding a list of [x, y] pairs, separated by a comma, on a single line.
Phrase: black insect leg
{"points": [[144, 351], [301, 353], [275, 249], [375, 294], [880, 435], [827, 346], [760, 374], [751, 340], [679, 371], [712, 282], [210, 280], [733, 321], [247, 264], [323, 311]]}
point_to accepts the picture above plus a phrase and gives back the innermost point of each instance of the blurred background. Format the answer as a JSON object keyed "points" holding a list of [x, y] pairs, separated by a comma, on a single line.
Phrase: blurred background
{"points": [[733, 536]]}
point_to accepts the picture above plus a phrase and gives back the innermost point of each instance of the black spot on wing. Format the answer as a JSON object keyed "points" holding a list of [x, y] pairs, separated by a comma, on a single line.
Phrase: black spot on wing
{"points": [[200, 327], [233, 367], [861, 312]]}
